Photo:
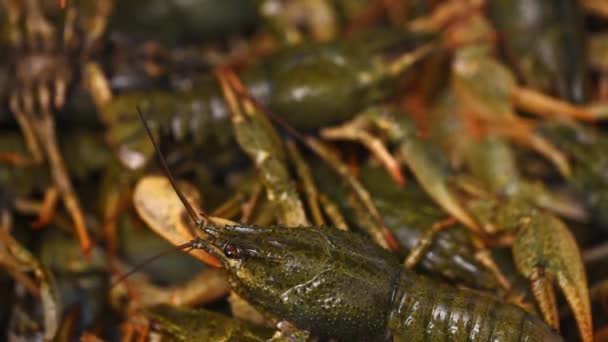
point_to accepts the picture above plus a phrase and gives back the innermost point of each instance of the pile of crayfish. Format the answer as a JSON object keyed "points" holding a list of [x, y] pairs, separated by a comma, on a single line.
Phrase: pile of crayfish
{"points": [[304, 170]]}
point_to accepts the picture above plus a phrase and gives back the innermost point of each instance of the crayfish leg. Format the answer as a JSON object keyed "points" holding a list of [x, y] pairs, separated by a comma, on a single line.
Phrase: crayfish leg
{"points": [[367, 222], [600, 109], [248, 207], [424, 159], [523, 135], [362, 195], [484, 257], [331, 209], [32, 143], [114, 202], [231, 207], [16, 159], [73, 206], [45, 130], [308, 183], [47, 293], [242, 309], [546, 106], [97, 84], [47, 210], [356, 131], [425, 242], [361, 198]]}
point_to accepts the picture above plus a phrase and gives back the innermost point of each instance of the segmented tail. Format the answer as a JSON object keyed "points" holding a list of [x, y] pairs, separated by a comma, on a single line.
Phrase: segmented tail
{"points": [[424, 310]]}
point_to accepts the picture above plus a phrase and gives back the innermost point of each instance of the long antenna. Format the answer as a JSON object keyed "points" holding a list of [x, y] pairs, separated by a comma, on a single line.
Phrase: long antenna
{"points": [[191, 212], [152, 258]]}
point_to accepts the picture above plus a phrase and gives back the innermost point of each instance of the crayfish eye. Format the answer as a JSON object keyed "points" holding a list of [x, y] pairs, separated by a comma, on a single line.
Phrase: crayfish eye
{"points": [[231, 251]]}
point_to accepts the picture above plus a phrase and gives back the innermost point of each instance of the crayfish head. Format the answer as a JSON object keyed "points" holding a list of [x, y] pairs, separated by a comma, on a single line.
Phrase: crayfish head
{"points": [[330, 282]]}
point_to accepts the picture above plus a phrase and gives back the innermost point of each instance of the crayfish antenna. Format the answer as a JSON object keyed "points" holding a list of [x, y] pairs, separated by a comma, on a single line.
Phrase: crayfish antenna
{"points": [[191, 212], [190, 244]]}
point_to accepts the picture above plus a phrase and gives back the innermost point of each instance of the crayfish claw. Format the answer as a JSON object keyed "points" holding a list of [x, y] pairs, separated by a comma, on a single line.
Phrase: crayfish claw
{"points": [[258, 139], [544, 292], [546, 251], [578, 299]]}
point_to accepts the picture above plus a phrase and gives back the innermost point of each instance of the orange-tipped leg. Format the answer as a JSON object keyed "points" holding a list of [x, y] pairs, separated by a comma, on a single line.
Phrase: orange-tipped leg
{"points": [[355, 132], [522, 133], [47, 211], [426, 241], [547, 106]]}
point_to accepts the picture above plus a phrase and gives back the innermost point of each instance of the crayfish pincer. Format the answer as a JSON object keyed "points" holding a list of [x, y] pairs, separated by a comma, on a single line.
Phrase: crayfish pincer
{"points": [[337, 284]]}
